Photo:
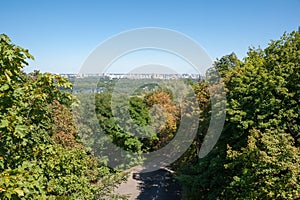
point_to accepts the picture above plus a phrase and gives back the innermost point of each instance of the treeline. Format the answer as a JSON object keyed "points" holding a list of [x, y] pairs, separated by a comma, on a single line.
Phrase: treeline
{"points": [[257, 155], [137, 123], [41, 155], [57, 146]]}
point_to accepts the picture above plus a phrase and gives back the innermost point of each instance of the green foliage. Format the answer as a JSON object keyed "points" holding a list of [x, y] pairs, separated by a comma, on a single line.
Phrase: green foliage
{"points": [[139, 112], [257, 156], [226, 63], [267, 168], [132, 126], [121, 134], [40, 155]]}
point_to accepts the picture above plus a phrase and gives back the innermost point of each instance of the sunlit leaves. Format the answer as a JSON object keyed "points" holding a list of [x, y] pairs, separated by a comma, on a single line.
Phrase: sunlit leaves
{"points": [[261, 134], [40, 154]]}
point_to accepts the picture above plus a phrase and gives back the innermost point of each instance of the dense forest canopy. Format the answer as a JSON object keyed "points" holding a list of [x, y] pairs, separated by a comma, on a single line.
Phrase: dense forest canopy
{"points": [[43, 154]]}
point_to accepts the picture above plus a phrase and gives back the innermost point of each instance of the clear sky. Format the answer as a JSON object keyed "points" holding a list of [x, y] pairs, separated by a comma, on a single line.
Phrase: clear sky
{"points": [[61, 33]]}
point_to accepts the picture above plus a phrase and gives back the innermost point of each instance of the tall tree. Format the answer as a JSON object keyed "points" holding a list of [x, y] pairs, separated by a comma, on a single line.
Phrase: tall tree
{"points": [[257, 156], [40, 155]]}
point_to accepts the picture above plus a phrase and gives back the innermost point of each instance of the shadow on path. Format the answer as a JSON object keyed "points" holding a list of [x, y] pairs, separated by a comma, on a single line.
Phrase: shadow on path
{"points": [[159, 184]]}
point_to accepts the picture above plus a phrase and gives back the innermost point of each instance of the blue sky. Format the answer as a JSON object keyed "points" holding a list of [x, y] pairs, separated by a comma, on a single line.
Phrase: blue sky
{"points": [[61, 34]]}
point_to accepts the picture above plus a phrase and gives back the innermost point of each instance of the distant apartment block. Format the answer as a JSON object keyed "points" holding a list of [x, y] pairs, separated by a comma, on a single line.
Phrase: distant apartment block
{"points": [[135, 76]]}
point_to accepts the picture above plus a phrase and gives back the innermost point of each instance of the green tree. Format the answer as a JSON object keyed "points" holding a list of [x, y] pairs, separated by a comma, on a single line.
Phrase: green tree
{"points": [[257, 156], [40, 154], [264, 108]]}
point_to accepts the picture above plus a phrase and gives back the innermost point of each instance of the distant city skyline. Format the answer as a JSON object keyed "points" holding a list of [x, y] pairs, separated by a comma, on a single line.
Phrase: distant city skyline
{"points": [[61, 34]]}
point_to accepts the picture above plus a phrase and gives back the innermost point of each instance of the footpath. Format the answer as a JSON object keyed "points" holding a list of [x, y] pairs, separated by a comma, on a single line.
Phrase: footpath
{"points": [[155, 185]]}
